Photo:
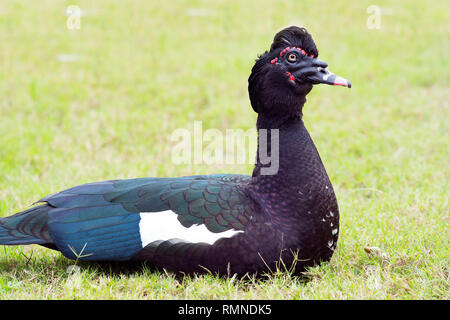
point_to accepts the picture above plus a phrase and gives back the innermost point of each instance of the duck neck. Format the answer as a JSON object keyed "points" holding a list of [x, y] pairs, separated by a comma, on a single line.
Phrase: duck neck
{"points": [[279, 112], [282, 139], [286, 156]]}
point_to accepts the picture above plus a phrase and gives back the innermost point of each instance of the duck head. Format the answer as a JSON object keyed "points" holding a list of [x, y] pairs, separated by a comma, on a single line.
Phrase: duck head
{"points": [[282, 77]]}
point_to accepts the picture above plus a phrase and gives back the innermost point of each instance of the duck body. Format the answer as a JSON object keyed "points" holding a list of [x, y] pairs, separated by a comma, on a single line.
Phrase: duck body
{"points": [[291, 217], [284, 214]]}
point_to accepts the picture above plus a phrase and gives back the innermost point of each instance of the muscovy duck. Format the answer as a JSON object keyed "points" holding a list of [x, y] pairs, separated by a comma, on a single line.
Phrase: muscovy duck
{"points": [[225, 223]]}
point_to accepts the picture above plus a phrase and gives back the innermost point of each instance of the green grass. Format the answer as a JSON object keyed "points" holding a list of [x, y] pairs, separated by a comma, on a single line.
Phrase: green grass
{"points": [[146, 68]]}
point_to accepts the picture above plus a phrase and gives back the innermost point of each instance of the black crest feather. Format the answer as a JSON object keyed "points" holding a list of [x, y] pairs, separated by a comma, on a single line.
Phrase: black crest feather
{"points": [[294, 37]]}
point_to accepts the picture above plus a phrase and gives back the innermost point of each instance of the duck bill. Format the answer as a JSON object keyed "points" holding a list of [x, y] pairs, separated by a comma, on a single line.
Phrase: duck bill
{"points": [[335, 80], [324, 76]]}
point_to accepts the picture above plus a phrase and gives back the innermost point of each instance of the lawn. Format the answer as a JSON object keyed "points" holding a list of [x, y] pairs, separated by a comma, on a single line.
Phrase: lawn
{"points": [[100, 102]]}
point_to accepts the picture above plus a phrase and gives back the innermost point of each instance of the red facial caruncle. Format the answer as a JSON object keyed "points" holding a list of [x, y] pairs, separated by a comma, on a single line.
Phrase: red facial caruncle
{"points": [[303, 52]]}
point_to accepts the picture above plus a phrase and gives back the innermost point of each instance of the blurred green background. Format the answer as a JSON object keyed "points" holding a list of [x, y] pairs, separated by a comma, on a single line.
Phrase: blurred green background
{"points": [[101, 101]]}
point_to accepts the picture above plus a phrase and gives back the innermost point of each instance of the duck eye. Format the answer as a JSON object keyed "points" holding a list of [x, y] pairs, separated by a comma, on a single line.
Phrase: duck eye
{"points": [[292, 57]]}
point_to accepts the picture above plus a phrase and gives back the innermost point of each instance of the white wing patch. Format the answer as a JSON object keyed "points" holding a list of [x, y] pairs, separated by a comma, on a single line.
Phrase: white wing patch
{"points": [[164, 225]]}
